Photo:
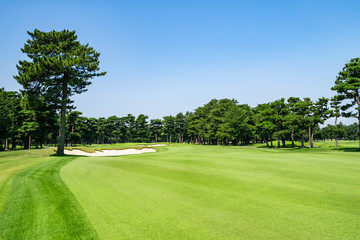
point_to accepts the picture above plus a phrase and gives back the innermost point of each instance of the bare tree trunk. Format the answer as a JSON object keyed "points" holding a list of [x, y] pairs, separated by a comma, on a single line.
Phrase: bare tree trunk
{"points": [[60, 150]]}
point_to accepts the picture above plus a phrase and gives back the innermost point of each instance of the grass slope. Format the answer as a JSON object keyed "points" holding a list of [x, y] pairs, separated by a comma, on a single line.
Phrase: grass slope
{"points": [[39, 205], [12, 162], [215, 192]]}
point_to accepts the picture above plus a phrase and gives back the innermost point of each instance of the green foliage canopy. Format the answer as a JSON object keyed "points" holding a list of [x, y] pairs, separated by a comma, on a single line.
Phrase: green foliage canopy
{"points": [[59, 67]]}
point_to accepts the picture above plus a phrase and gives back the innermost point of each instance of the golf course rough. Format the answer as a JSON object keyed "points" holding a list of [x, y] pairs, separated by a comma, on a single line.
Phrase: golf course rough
{"points": [[182, 192]]}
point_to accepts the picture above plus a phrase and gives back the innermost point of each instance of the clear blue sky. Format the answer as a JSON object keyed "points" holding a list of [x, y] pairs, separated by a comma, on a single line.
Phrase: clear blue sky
{"points": [[165, 57]]}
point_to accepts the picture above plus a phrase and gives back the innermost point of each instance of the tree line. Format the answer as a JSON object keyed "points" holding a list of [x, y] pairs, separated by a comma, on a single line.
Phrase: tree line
{"points": [[59, 66], [223, 121]]}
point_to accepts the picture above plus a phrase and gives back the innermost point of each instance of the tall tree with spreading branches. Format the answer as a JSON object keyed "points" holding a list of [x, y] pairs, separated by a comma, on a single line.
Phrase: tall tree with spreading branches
{"points": [[59, 67], [347, 87]]}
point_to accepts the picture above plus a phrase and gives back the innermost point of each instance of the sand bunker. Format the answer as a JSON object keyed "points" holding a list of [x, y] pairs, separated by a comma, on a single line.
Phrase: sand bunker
{"points": [[109, 152]]}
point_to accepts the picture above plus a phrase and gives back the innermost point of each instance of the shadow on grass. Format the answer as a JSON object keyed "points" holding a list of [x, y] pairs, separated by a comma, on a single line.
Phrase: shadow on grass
{"points": [[347, 149], [287, 147], [66, 155]]}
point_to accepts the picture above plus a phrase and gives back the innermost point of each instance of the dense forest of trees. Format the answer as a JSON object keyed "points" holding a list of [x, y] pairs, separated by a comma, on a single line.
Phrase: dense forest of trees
{"points": [[223, 121]]}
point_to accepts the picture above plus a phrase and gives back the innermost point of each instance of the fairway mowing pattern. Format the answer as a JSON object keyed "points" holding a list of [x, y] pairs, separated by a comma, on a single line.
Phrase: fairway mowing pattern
{"points": [[40, 206], [218, 192]]}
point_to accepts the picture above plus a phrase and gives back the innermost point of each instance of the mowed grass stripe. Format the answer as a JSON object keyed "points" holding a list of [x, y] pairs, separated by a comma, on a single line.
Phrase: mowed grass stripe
{"points": [[12, 162], [214, 192], [40, 206]]}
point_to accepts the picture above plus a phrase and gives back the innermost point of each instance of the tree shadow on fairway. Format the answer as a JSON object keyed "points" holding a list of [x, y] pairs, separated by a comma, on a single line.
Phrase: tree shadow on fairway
{"points": [[347, 149], [40, 206], [66, 156]]}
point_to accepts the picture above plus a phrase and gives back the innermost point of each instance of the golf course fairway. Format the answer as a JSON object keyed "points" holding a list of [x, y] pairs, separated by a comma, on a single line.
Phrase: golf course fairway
{"points": [[182, 191]]}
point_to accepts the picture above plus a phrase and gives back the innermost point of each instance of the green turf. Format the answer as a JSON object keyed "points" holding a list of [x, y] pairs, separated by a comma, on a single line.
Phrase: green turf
{"points": [[40, 206], [12, 162], [181, 192], [323, 144], [215, 192]]}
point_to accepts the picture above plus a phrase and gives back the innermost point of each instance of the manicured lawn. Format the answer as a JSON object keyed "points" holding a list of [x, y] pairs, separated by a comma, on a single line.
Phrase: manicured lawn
{"points": [[326, 144], [214, 192], [183, 192], [38, 205]]}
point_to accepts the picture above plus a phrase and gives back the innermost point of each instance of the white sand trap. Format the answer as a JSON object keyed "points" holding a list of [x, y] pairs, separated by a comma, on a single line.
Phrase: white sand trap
{"points": [[109, 152]]}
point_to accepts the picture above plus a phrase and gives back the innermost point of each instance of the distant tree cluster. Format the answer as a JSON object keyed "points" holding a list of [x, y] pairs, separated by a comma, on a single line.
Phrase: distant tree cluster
{"points": [[24, 121], [221, 121], [340, 131], [60, 67]]}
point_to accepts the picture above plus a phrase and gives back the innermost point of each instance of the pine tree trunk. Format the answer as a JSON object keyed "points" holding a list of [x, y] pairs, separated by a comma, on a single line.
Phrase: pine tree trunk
{"points": [[6, 144], [13, 144], [155, 136], [359, 128], [358, 102], [312, 138], [278, 142], [60, 150], [336, 139], [292, 138], [110, 136], [310, 142], [29, 146], [302, 140], [72, 130]]}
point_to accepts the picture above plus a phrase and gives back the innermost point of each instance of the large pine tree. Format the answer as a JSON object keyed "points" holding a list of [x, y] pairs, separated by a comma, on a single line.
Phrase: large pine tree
{"points": [[59, 67], [347, 87]]}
